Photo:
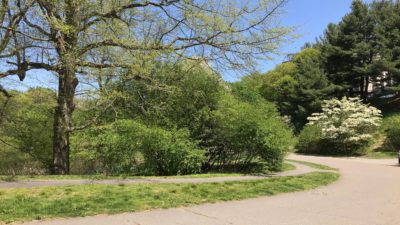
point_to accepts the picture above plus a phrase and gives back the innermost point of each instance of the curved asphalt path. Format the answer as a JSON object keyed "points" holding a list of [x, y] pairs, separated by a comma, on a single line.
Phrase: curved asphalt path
{"points": [[368, 193], [300, 169]]}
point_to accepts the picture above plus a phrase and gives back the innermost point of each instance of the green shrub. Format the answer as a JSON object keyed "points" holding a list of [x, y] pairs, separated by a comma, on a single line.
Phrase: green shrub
{"points": [[310, 140], [391, 126], [15, 162], [170, 153], [130, 147], [244, 133], [110, 149]]}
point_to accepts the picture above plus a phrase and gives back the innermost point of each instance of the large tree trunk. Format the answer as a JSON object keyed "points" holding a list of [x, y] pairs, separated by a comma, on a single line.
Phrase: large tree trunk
{"points": [[63, 119], [366, 88], [66, 42]]}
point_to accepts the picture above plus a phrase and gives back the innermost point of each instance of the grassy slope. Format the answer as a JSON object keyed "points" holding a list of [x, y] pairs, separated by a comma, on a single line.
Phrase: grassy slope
{"points": [[380, 148], [72, 201]]}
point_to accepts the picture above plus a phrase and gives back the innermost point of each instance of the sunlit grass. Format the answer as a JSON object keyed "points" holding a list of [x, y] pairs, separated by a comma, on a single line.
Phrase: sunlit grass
{"points": [[314, 165], [287, 166], [381, 155], [82, 200]]}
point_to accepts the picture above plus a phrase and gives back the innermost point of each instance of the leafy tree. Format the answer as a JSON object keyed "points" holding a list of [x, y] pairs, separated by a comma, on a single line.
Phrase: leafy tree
{"points": [[279, 86], [27, 123], [387, 41], [71, 38], [362, 50], [177, 96], [297, 87], [349, 51], [312, 86]]}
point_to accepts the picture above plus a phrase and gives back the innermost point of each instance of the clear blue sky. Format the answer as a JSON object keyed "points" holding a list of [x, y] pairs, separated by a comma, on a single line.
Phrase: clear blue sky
{"points": [[309, 16]]}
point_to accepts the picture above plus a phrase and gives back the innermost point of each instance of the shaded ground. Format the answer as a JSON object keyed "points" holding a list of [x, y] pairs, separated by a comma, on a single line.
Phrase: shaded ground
{"points": [[368, 193], [300, 169]]}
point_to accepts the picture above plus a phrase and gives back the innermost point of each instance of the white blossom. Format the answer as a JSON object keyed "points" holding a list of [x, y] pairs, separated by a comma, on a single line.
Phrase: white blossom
{"points": [[348, 120]]}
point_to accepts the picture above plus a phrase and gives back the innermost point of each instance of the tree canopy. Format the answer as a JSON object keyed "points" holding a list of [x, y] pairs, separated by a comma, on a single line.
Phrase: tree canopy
{"points": [[83, 39]]}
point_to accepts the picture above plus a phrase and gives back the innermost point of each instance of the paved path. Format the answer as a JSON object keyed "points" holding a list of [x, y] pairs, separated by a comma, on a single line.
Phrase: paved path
{"points": [[368, 193], [300, 169]]}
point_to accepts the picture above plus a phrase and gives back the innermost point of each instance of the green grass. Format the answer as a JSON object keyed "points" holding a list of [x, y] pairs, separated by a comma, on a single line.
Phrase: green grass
{"points": [[83, 200], [381, 155], [380, 149], [314, 165], [288, 166]]}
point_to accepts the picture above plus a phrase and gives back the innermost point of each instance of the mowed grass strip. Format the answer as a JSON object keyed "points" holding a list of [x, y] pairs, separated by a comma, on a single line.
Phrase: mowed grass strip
{"points": [[314, 165], [84, 200], [287, 166]]}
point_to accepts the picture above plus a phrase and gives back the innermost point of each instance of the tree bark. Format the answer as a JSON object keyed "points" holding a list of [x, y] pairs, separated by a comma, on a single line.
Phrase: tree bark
{"points": [[66, 45], [366, 87], [63, 119]]}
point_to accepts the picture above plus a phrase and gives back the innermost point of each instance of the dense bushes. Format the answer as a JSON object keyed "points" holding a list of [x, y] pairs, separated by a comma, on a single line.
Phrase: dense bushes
{"points": [[14, 162], [110, 148], [344, 127], [391, 126], [169, 153], [231, 140], [182, 119], [247, 128], [129, 147], [231, 122], [310, 140]]}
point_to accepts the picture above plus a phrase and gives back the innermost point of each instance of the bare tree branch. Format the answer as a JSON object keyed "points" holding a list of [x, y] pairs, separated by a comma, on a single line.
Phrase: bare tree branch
{"points": [[4, 91], [95, 17], [12, 24]]}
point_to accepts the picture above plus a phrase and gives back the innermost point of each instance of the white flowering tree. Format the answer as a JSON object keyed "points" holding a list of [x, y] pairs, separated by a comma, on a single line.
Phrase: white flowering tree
{"points": [[347, 124]]}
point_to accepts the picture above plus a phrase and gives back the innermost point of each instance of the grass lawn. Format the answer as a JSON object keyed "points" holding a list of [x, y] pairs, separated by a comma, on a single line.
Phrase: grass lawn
{"points": [[380, 147], [381, 155], [286, 167], [83, 200], [314, 165]]}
